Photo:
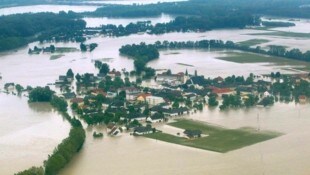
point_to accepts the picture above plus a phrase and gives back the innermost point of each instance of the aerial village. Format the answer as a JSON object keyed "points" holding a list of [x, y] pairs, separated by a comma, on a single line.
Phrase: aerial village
{"points": [[110, 97]]}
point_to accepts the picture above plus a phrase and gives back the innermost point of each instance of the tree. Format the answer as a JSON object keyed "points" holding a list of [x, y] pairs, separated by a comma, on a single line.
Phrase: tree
{"points": [[118, 82], [98, 64], [168, 72], [104, 69], [70, 73], [32, 171], [59, 103], [83, 47], [40, 94], [19, 88], [176, 104], [212, 101], [78, 77]]}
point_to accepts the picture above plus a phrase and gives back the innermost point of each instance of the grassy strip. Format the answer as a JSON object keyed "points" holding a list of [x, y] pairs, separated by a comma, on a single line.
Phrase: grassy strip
{"points": [[219, 139], [55, 57], [283, 34], [65, 49], [247, 57], [253, 42]]}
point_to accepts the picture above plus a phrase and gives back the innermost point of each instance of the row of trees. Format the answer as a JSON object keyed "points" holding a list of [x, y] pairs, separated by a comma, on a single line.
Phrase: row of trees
{"points": [[179, 24], [273, 50], [236, 10], [64, 152]]}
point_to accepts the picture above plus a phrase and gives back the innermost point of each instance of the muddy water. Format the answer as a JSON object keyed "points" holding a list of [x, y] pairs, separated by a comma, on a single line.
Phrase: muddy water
{"points": [[301, 25], [288, 154], [130, 2], [97, 22], [28, 133], [38, 70]]}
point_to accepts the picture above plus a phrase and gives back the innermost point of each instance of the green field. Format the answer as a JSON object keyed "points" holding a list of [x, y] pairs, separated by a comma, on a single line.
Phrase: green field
{"points": [[283, 34], [247, 57], [219, 139], [55, 57], [252, 42], [65, 49]]}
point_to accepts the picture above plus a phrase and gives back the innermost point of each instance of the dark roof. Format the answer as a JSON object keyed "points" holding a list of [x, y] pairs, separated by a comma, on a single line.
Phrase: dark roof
{"points": [[192, 133], [69, 95], [157, 116], [136, 115], [142, 129]]}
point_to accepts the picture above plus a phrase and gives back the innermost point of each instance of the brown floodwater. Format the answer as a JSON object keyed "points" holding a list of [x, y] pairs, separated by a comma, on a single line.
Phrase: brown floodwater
{"points": [[287, 154], [28, 133]]}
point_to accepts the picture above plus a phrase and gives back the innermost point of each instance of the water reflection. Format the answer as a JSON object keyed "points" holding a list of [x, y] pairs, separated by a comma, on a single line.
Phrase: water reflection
{"points": [[40, 107]]}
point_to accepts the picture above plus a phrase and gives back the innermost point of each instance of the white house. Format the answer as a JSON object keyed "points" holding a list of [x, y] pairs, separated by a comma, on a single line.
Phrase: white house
{"points": [[154, 100]]}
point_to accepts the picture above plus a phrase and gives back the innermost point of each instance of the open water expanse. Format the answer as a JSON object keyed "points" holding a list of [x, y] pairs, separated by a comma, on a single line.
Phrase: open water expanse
{"points": [[28, 133]]}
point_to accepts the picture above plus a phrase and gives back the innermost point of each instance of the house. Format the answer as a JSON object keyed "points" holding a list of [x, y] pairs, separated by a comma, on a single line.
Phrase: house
{"points": [[219, 79], [221, 91], [114, 74], [142, 97], [113, 130], [117, 104], [266, 94], [171, 79], [191, 96], [98, 91], [156, 118], [142, 130], [192, 133], [136, 116], [9, 86], [64, 78], [79, 101], [131, 92], [111, 94], [154, 100], [176, 111], [302, 99], [69, 95]]}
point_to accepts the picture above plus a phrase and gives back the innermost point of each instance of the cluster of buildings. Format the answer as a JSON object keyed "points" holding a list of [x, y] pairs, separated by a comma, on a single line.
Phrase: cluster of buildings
{"points": [[179, 95]]}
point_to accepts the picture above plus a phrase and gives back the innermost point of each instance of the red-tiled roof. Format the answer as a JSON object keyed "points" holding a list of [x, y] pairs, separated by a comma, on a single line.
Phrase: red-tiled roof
{"points": [[77, 100]]}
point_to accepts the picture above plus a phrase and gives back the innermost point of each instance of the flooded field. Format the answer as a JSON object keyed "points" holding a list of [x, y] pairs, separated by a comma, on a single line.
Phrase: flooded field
{"points": [[97, 22], [28, 133], [287, 154]]}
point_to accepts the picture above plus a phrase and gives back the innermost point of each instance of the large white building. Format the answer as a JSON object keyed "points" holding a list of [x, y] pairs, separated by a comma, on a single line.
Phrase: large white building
{"points": [[153, 100]]}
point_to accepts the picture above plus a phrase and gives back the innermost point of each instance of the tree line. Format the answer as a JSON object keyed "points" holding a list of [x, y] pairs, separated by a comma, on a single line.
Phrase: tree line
{"points": [[273, 50], [210, 8], [179, 24], [65, 151], [20, 29]]}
